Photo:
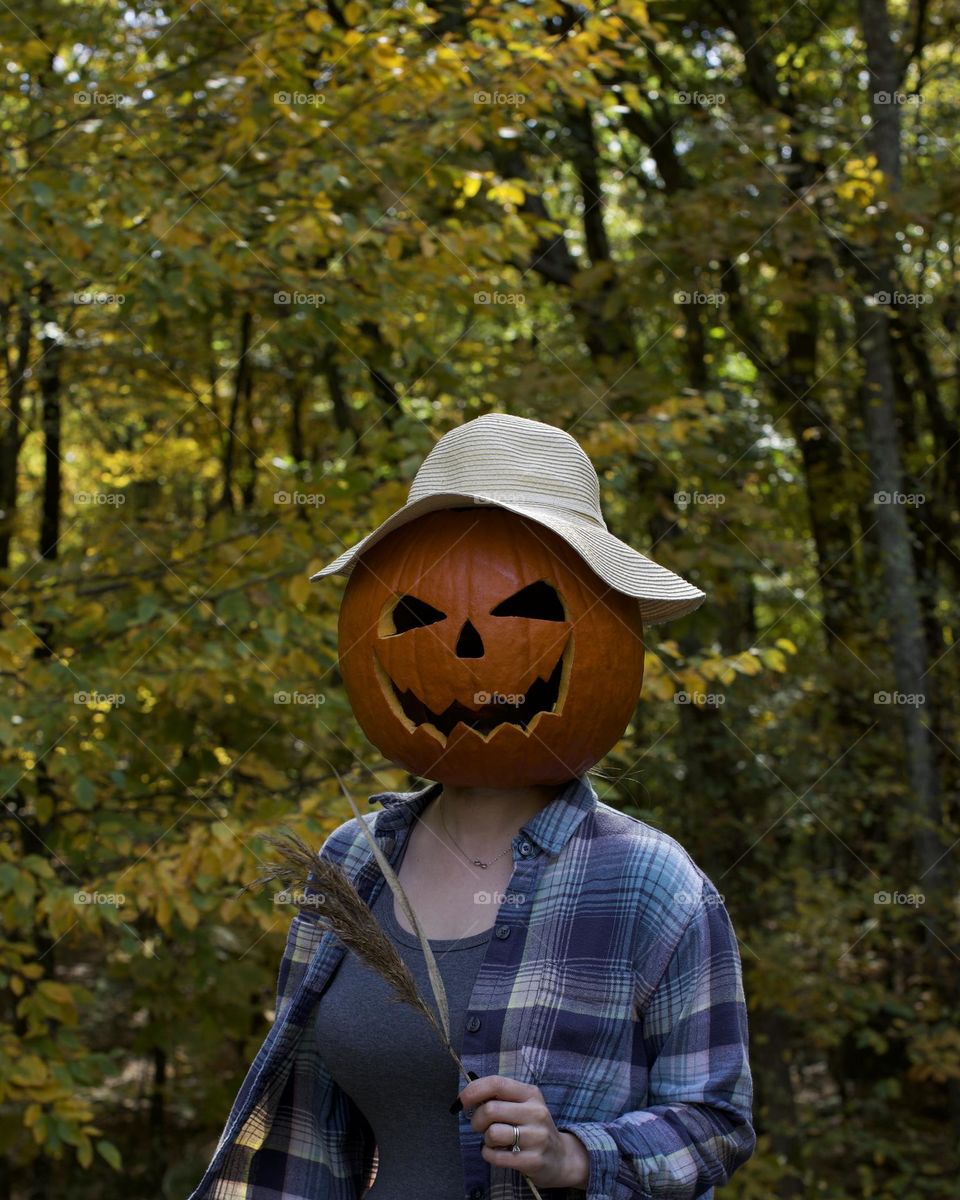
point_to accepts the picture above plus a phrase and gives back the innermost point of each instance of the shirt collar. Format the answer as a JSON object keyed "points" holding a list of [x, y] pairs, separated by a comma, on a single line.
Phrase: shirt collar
{"points": [[551, 828]]}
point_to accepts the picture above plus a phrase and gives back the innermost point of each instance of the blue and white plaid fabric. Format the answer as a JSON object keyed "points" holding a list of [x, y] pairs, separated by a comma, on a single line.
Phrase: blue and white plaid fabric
{"points": [[612, 982]]}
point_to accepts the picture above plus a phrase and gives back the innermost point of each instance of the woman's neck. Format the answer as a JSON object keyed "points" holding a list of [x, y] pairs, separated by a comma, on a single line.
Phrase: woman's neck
{"points": [[484, 820]]}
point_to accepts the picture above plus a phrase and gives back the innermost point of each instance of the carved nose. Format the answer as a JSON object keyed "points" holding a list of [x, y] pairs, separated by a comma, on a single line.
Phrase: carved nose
{"points": [[469, 643]]}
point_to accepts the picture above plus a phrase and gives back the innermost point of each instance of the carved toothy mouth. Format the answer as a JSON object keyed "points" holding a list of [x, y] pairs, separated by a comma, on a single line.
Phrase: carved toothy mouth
{"points": [[539, 698]]}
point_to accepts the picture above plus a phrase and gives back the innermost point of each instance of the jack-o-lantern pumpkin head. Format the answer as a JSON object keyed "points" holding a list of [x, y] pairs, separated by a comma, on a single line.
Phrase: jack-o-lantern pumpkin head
{"points": [[478, 648]]}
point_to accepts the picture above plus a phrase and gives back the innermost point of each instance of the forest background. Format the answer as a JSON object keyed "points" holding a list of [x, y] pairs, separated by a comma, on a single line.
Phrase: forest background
{"points": [[255, 258]]}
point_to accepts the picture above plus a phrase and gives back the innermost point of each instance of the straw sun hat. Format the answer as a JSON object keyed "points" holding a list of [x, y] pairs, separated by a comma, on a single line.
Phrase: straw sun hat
{"points": [[540, 472]]}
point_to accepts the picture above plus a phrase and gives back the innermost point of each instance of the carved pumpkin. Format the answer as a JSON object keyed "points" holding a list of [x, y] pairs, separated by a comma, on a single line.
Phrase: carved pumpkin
{"points": [[478, 649]]}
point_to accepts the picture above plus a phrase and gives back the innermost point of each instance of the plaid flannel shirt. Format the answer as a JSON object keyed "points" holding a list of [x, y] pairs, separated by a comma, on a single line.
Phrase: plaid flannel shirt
{"points": [[612, 981]]}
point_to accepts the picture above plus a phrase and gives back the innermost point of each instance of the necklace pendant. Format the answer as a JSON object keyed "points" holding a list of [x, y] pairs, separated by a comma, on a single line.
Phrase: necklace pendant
{"points": [[478, 863]]}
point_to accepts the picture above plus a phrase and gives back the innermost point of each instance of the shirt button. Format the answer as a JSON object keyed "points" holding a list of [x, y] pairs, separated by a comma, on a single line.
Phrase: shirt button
{"points": [[477, 1194], [524, 848], [503, 931], [473, 1024]]}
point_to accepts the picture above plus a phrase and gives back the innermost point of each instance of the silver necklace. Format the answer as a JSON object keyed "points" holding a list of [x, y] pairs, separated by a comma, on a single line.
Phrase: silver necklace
{"points": [[476, 861]]}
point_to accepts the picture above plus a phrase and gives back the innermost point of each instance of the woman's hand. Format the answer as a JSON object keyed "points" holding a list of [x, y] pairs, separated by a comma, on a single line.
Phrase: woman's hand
{"points": [[548, 1157]]}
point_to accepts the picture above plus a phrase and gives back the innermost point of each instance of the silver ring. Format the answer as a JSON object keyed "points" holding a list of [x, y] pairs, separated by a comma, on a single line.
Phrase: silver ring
{"points": [[516, 1139]]}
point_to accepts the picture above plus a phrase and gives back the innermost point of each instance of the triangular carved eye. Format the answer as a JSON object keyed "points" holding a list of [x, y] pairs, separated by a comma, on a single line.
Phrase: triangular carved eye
{"points": [[537, 600], [411, 613]]}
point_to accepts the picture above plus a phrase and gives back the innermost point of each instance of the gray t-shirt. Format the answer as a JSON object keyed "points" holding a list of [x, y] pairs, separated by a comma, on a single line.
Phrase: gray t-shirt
{"points": [[389, 1061]]}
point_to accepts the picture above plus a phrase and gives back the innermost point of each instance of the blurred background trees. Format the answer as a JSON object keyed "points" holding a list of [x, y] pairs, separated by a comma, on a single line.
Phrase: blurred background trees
{"points": [[254, 259]]}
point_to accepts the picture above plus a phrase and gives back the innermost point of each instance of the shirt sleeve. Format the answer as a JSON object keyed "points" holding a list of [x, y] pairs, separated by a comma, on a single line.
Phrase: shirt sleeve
{"points": [[697, 1128], [303, 937]]}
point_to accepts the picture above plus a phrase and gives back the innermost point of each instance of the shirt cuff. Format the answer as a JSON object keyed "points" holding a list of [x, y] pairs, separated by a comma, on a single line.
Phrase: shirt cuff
{"points": [[605, 1161]]}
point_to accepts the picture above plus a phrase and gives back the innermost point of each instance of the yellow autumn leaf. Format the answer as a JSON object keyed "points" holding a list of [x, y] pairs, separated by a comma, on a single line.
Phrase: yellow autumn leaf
{"points": [[631, 95], [636, 10], [298, 589], [386, 56], [28, 1071], [856, 190], [660, 687], [774, 659], [506, 193], [471, 184], [316, 20], [187, 912], [59, 993]]}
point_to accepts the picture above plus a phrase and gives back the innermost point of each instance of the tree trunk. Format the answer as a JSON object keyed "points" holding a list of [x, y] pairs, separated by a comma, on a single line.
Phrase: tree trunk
{"points": [[48, 370], [239, 383], [342, 413], [376, 365], [875, 269], [12, 429], [248, 485]]}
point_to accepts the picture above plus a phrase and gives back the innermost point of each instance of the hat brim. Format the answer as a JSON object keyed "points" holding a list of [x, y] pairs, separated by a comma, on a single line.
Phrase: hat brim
{"points": [[662, 594]]}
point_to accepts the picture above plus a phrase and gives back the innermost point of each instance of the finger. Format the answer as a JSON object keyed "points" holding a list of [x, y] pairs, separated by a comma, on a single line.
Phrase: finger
{"points": [[457, 1105], [490, 1087], [499, 1136], [503, 1112]]}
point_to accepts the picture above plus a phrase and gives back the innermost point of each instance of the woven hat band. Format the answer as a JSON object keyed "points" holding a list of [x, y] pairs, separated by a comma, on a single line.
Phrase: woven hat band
{"points": [[536, 501]]}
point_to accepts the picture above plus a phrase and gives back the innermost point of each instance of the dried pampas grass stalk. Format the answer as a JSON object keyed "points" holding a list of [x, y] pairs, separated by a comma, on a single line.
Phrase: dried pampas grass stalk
{"points": [[322, 887]]}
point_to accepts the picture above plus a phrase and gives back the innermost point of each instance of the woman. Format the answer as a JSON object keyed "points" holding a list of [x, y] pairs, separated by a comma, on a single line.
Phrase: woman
{"points": [[491, 641]]}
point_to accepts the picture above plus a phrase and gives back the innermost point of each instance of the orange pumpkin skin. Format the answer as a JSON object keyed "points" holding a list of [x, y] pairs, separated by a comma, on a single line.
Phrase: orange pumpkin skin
{"points": [[420, 642]]}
